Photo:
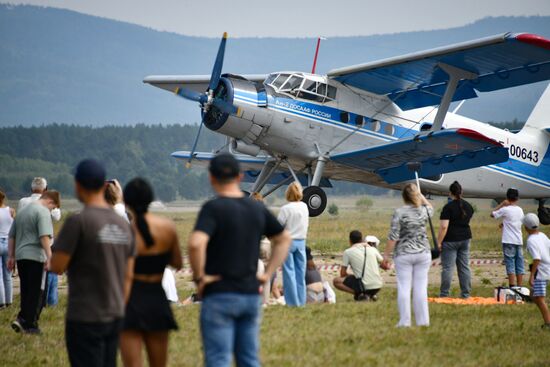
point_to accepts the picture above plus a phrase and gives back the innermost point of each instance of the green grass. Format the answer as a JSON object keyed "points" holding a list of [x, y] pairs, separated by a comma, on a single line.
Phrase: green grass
{"points": [[347, 333]]}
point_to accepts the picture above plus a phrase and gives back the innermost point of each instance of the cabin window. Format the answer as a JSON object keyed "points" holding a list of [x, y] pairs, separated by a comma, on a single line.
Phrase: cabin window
{"points": [[331, 93], [375, 126], [389, 129], [344, 117], [359, 120]]}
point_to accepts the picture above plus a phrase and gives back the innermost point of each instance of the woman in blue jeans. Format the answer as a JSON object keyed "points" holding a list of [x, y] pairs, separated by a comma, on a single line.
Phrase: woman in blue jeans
{"points": [[295, 217], [6, 219], [454, 242]]}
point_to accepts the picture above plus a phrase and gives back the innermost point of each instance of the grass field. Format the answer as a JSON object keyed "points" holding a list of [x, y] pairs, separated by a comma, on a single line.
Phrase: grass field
{"points": [[346, 333]]}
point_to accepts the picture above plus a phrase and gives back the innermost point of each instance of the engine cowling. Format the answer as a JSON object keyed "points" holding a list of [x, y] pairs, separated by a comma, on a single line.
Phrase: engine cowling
{"points": [[252, 118]]}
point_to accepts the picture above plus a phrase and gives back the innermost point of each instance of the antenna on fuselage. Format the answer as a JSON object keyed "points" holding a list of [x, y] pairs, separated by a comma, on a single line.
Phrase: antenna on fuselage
{"points": [[316, 54]]}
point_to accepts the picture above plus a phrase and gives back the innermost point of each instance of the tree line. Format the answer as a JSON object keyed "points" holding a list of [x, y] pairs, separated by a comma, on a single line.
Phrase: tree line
{"points": [[52, 151]]}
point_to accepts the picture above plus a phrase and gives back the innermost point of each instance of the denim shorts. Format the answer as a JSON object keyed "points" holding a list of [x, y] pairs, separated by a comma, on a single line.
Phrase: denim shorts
{"points": [[513, 258], [539, 288]]}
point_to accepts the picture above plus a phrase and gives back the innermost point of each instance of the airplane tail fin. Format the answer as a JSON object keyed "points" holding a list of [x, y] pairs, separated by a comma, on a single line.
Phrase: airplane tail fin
{"points": [[540, 116]]}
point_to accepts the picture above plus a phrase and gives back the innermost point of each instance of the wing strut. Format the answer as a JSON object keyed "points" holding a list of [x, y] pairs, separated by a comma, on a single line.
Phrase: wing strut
{"points": [[455, 75]]}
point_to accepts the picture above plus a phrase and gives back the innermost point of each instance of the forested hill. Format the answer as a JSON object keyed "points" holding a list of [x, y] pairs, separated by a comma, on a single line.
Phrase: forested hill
{"points": [[54, 150], [62, 66]]}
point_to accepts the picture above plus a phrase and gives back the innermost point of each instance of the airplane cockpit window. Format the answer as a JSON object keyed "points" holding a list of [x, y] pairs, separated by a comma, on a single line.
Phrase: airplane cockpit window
{"points": [[292, 84], [302, 87], [279, 80]]}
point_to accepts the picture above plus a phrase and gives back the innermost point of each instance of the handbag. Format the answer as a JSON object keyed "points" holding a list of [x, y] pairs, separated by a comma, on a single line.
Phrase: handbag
{"points": [[435, 249]]}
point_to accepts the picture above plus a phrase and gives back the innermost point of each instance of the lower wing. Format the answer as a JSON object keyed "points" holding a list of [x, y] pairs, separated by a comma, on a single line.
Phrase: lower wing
{"points": [[437, 152]]}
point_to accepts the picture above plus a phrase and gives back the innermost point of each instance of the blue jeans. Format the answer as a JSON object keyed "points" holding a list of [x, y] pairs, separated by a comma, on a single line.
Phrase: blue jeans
{"points": [[294, 274], [455, 253], [6, 294], [230, 324], [513, 258], [51, 290]]}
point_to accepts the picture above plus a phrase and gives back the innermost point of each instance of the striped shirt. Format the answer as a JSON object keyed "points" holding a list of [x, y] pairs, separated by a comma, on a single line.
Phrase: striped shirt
{"points": [[408, 228]]}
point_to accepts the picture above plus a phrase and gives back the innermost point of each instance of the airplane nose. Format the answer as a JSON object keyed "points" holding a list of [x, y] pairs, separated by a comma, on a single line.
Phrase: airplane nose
{"points": [[215, 118]]}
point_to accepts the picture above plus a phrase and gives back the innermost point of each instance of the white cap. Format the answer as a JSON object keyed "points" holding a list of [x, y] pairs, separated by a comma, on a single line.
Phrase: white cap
{"points": [[530, 221], [374, 239]]}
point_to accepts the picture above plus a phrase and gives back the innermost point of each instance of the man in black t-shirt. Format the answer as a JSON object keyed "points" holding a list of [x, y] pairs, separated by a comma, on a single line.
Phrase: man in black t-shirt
{"points": [[454, 242], [223, 252]]}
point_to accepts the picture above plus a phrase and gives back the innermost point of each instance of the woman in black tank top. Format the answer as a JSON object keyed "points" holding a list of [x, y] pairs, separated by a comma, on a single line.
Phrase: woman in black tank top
{"points": [[148, 316]]}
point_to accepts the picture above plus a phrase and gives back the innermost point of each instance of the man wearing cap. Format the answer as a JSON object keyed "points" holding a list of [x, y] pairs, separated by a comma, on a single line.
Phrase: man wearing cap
{"points": [[96, 247], [29, 244], [372, 241], [538, 246], [223, 253]]}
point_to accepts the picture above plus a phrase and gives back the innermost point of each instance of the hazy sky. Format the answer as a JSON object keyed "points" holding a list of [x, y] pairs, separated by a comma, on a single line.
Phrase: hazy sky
{"points": [[298, 18]]}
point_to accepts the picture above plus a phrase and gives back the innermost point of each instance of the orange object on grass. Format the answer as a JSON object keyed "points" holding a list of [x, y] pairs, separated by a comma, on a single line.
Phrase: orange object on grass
{"points": [[483, 301]]}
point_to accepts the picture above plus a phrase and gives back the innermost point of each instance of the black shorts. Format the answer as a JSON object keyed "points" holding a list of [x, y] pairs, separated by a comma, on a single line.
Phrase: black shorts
{"points": [[92, 344], [354, 283]]}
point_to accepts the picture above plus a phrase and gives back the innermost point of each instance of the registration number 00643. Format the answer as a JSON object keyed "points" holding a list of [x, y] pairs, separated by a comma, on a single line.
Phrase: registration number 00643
{"points": [[523, 153]]}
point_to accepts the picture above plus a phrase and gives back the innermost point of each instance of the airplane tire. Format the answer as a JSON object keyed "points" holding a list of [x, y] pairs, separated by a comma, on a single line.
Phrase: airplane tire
{"points": [[315, 199]]}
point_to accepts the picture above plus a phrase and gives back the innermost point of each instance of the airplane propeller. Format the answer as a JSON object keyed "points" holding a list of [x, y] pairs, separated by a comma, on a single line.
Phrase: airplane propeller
{"points": [[208, 99]]}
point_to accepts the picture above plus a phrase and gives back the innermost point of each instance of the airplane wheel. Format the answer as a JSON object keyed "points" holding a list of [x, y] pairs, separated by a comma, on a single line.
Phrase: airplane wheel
{"points": [[315, 199]]}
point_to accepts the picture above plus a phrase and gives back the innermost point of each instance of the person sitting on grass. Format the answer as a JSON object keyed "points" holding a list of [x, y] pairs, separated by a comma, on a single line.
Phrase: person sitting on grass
{"points": [[364, 261], [538, 246], [512, 241], [314, 281]]}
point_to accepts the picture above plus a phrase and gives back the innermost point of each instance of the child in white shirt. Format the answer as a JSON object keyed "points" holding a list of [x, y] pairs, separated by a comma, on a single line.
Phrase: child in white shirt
{"points": [[538, 246], [512, 240]]}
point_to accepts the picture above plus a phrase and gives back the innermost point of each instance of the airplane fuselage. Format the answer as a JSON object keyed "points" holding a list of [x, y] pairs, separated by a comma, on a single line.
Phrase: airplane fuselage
{"points": [[284, 124]]}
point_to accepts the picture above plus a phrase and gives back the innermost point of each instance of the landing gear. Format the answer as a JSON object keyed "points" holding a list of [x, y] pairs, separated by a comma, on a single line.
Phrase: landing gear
{"points": [[314, 196], [315, 199]]}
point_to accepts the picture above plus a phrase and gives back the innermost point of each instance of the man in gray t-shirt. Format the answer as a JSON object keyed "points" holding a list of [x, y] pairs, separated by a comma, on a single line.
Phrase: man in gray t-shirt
{"points": [[99, 243], [96, 247], [29, 244]]}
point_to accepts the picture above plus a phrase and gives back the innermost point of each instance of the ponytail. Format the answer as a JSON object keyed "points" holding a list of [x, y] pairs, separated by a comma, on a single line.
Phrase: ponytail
{"points": [[456, 190], [138, 194]]}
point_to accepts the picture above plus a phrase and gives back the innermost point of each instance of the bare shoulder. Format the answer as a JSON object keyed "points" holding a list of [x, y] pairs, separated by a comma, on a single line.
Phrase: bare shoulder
{"points": [[162, 223]]}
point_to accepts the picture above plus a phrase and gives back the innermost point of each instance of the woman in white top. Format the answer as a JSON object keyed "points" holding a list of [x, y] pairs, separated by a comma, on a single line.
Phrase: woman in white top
{"points": [[6, 219], [295, 217]]}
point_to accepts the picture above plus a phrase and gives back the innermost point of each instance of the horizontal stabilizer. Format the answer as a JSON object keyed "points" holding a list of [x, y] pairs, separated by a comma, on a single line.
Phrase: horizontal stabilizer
{"points": [[438, 152]]}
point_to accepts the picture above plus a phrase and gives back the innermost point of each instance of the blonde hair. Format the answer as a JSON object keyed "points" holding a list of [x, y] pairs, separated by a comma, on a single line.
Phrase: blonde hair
{"points": [[294, 192], [111, 194], [257, 196], [411, 195]]}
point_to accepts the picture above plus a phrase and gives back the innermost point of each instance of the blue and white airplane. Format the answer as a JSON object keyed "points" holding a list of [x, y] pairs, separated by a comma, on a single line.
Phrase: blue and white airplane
{"points": [[371, 123]]}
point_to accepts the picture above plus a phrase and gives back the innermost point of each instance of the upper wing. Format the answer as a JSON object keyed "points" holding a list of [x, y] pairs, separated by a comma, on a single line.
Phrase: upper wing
{"points": [[438, 152], [198, 83], [416, 80]]}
